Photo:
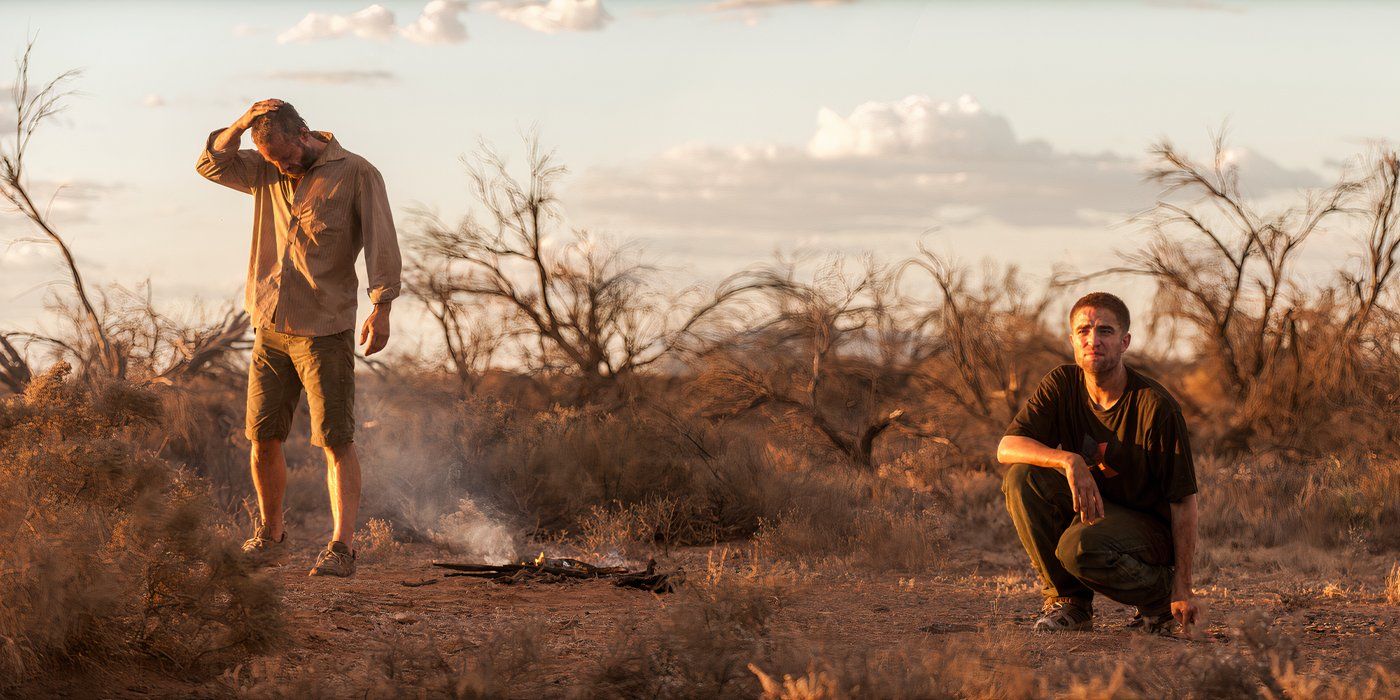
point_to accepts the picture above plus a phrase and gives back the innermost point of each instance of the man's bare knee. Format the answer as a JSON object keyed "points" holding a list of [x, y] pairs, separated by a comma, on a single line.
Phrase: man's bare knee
{"points": [[266, 449], [336, 454]]}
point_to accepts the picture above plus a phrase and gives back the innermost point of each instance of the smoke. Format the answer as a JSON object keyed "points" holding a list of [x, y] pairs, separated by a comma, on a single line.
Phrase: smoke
{"points": [[472, 532]]}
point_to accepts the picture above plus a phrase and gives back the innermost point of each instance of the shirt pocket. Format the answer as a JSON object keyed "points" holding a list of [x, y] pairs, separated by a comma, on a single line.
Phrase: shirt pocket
{"points": [[328, 214]]}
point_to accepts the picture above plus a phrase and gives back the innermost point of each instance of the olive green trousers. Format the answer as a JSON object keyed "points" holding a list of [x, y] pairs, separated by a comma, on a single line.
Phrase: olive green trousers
{"points": [[1127, 555]]}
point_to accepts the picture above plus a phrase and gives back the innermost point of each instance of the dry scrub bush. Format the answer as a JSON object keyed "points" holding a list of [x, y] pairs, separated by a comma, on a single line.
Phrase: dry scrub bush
{"points": [[504, 665], [1283, 364], [586, 309], [711, 630], [984, 665], [885, 533], [987, 342], [1392, 584], [116, 333], [834, 365], [691, 485], [1269, 500], [1259, 662], [104, 549], [376, 540]]}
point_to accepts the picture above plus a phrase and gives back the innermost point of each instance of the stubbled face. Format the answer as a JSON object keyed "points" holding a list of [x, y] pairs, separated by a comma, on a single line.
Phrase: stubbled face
{"points": [[288, 154], [1098, 339]]}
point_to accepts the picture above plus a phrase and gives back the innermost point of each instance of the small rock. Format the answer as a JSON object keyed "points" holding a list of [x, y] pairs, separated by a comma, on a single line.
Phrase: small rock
{"points": [[404, 618]]}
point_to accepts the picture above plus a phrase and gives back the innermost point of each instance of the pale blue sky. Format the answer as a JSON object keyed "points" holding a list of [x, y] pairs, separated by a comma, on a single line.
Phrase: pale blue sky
{"points": [[1302, 85]]}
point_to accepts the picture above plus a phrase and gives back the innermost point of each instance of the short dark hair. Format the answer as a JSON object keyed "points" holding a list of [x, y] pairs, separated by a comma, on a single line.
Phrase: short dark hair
{"points": [[283, 121], [1102, 300]]}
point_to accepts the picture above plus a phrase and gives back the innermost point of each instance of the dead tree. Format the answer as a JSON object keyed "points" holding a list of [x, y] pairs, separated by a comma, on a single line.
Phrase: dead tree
{"points": [[834, 358], [1287, 357], [1222, 267], [1381, 258], [1369, 337], [985, 340], [15, 373], [195, 349], [32, 108], [578, 305], [473, 330]]}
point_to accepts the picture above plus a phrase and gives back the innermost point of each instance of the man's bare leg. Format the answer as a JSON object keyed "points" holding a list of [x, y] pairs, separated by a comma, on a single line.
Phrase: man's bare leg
{"points": [[269, 467], [343, 480]]}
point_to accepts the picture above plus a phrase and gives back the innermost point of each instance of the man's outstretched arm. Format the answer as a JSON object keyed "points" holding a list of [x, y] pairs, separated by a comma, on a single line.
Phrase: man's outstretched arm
{"points": [[1018, 449], [1184, 515]]}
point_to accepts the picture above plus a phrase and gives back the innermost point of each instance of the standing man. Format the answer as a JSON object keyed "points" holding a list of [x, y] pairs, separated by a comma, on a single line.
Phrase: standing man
{"points": [[315, 206], [1101, 487]]}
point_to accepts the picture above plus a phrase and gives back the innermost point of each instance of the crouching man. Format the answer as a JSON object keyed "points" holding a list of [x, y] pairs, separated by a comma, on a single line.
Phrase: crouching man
{"points": [[1101, 486], [316, 206]]}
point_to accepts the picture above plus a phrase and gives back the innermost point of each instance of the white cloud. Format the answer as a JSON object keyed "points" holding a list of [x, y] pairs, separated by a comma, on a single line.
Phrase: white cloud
{"points": [[153, 100], [553, 16], [373, 22], [886, 167], [917, 124], [437, 24]]}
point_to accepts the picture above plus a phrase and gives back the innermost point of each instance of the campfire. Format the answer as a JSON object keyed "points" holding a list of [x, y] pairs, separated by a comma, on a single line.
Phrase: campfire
{"points": [[543, 569]]}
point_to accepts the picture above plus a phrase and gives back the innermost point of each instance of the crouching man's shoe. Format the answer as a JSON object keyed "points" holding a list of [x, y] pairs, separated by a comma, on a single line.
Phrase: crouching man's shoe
{"points": [[335, 560], [1155, 620], [1065, 615]]}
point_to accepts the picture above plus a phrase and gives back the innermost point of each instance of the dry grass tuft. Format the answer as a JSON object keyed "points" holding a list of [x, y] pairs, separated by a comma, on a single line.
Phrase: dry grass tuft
{"points": [[1392, 584], [404, 665], [106, 551]]}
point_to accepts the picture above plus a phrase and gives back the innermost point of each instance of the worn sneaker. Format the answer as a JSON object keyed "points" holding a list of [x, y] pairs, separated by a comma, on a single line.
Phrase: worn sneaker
{"points": [[335, 560], [1153, 621], [262, 549], [1065, 615]]}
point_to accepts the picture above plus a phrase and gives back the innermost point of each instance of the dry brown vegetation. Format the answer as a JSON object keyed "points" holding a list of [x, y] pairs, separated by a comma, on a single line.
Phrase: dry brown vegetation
{"points": [[813, 441]]}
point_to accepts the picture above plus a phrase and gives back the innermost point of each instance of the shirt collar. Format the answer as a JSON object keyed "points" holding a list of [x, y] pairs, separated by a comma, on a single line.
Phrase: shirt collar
{"points": [[331, 152]]}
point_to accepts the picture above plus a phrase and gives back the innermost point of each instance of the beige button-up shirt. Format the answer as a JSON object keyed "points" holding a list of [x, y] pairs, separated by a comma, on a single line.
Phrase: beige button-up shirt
{"points": [[301, 273]]}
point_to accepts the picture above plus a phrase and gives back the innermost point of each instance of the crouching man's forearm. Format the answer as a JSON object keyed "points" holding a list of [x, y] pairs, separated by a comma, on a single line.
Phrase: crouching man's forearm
{"points": [[1184, 545], [1087, 501]]}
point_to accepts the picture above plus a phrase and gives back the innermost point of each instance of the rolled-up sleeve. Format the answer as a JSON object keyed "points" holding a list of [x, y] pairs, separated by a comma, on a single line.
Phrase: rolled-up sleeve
{"points": [[241, 170], [382, 262]]}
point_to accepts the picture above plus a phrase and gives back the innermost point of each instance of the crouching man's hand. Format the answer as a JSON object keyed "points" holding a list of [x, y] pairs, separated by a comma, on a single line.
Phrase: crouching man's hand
{"points": [[374, 335], [1186, 612]]}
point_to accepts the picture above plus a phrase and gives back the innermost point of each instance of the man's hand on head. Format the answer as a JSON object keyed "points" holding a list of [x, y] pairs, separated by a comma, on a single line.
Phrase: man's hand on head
{"points": [[374, 334], [258, 109]]}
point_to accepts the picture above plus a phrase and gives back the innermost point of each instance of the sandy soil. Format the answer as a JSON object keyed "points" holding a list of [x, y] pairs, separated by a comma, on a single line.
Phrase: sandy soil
{"points": [[348, 624]]}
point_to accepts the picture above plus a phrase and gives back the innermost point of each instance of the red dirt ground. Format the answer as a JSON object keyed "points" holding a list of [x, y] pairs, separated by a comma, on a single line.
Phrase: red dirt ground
{"points": [[343, 624]]}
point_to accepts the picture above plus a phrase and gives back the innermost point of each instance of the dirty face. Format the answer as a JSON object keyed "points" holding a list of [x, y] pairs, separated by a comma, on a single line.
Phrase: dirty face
{"points": [[287, 153], [1098, 339]]}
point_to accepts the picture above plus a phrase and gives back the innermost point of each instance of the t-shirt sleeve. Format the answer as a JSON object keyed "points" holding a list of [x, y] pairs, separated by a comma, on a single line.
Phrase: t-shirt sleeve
{"points": [[1039, 418], [1171, 450]]}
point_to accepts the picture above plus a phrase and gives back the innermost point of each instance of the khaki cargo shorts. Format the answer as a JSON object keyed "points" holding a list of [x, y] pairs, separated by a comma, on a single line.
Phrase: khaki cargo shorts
{"points": [[285, 364]]}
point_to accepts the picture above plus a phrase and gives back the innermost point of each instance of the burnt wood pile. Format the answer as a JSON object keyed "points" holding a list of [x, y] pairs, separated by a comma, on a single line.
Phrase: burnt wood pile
{"points": [[564, 570]]}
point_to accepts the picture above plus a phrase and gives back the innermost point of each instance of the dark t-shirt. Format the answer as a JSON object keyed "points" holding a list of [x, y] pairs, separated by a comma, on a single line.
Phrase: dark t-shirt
{"points": [[1141, 442]]}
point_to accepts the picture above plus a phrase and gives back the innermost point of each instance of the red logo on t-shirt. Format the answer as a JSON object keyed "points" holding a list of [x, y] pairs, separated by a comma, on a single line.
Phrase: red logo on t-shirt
{"points": [[1099, 457]]}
